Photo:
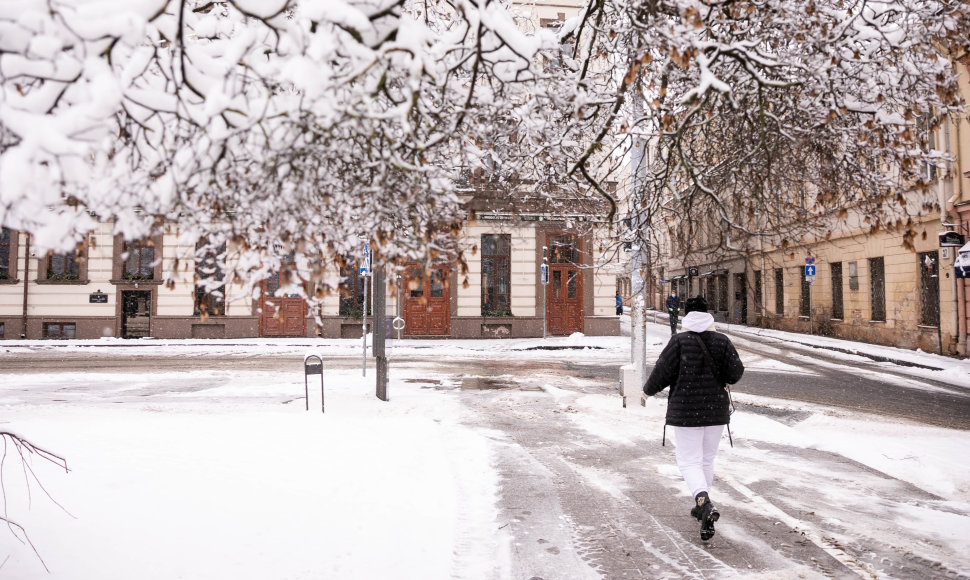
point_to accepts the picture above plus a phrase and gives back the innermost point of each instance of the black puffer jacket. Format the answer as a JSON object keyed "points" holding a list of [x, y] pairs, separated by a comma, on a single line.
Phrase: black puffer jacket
{"points": [[698, 397]]}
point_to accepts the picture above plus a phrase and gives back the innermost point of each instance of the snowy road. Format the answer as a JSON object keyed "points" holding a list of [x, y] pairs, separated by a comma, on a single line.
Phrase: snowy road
{"points": [[819, 484], [578, 488]]}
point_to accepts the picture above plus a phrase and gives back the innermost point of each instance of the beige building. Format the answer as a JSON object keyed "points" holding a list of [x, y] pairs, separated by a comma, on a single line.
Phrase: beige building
{"points": [[109, 288], [867, 287]]}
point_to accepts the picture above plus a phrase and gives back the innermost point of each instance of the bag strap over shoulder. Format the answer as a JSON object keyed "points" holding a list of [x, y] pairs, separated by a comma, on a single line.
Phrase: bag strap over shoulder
{"points": [[710, 361], [707, 355]]}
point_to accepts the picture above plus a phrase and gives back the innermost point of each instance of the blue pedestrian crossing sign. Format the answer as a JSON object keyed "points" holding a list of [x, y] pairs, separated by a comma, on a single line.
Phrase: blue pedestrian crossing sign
{"points": [[365, 265]]}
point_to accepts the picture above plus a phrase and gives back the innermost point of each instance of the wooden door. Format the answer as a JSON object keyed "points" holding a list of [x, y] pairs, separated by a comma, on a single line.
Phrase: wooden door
{"points": [[427, 301], [564, 293], [136, 313], [280, 316], [741, 296]]}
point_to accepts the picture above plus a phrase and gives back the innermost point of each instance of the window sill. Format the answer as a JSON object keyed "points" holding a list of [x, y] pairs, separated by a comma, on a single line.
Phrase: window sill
{"points": [[124, 282], [63, 282], [9, 281], [877, 322]]}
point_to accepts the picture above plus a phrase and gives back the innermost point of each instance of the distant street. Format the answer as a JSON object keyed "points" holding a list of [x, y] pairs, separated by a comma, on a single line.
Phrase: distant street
{"points": [[872, 387]]}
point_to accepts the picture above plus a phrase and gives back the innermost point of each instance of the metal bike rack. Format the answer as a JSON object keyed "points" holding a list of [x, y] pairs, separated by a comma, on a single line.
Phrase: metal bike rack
{"points": [[312, 367], [398, 325]]}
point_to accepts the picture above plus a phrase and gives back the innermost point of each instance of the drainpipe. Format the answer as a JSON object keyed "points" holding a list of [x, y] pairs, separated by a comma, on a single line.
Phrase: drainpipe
{"points": [[764, 280], [23, 328], [961, 316]]}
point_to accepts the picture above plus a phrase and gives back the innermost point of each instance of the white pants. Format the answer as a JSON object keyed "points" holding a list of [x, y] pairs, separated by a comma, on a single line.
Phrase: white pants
{"points": [[696, 447]]}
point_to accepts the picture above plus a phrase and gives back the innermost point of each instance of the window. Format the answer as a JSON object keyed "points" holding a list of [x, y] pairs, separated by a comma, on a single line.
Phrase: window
{"points": [[66, 267], [62, 266], [139, 260], [838, 309], [5, 254], [437, 283], [623, 286], [929, 169], [758, 295], [554, 61], [564, 250], [722, 293], [210, 275], [929, 289], [805, 299], [779, 291], [1, 330], [59, 330], [416, 284], [496, 254], [352, 292], [877, 288]]}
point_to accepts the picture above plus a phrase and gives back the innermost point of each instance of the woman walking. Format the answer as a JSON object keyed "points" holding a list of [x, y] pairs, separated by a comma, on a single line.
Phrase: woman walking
{"points": [[697, 365]]}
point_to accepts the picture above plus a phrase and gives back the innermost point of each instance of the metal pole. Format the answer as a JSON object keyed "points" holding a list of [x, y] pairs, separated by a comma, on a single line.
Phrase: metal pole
{"points": [[543, 311], [544, 284], [380, 332], [364, 330], [23, 329], [939, 318], [398, 305], [811, 322]]}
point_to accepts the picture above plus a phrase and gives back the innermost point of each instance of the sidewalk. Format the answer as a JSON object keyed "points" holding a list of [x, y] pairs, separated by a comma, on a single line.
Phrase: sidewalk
{"points": [[953, 370]]}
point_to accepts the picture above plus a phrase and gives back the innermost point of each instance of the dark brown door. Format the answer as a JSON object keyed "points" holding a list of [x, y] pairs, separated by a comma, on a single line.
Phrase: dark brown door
{"points": [[280, 316], [136, 313], [741, 296], [564, 293], [427, 301]]}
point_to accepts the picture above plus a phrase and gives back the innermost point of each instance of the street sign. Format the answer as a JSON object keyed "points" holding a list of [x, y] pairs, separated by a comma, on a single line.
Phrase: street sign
{"points": [[692, 271], [810, 272], [809, 260], [544, 274], [951, 239], [365, 265]]}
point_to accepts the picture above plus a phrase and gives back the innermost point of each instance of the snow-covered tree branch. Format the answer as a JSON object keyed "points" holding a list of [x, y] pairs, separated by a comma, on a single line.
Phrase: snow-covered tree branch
{"points": [[24, 452], [282, 127], [794, 112], [300, 126]]}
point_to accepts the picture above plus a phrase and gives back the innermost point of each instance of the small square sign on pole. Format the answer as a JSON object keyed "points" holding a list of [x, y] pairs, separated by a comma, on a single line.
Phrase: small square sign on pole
{"points": [[366, 263], [810, 273]]}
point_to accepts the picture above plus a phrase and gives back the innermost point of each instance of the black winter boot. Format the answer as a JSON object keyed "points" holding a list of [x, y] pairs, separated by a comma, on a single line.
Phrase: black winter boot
{"points": [[705, 511]]}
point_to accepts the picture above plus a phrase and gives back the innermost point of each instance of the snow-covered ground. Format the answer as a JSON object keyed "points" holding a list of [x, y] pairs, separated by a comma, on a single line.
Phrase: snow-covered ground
{"points": [[224, 474]]}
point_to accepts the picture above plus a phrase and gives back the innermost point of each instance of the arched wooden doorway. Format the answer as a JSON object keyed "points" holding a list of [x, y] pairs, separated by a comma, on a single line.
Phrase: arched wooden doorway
{"points": [[427, 301], [280, 316], [564, 293]]}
